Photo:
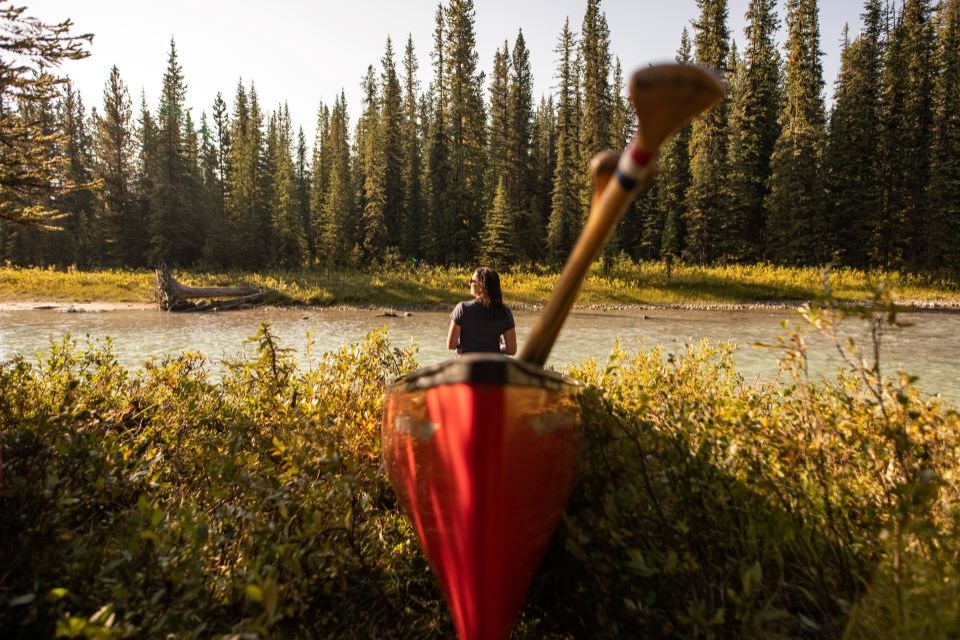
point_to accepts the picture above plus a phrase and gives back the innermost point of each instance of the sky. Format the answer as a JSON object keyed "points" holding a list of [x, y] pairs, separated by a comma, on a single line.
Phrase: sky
{"points": [[303, 52]]}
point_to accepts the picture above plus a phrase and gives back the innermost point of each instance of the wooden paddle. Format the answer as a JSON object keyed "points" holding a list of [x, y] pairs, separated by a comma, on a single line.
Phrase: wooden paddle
{"points": [[665, 98]]}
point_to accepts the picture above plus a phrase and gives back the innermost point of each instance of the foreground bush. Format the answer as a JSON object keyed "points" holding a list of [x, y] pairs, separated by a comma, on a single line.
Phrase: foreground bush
{"points": [[141, 505], [165, 503]]}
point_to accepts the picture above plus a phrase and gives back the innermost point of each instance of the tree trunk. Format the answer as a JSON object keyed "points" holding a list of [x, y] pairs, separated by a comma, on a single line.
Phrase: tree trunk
{"points": [[173, 296]]}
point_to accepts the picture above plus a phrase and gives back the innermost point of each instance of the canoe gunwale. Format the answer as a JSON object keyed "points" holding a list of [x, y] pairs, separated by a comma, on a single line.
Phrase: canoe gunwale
{"points": [[484, 368]]}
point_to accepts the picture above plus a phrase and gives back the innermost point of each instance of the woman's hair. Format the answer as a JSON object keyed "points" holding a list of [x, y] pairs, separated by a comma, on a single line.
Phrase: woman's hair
{"points": [[491, 297]]}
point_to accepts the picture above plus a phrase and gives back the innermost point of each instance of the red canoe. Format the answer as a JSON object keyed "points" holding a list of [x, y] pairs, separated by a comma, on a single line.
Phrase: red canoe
{"points": [[481, 452]]}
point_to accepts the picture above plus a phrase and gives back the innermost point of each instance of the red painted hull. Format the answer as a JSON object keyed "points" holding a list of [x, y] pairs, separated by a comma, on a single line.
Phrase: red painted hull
{"points": [[481, 452]]}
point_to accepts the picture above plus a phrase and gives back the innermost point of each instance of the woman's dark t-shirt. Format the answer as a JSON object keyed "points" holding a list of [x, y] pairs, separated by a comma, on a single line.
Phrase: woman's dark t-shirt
{"points": [[480, 329]]}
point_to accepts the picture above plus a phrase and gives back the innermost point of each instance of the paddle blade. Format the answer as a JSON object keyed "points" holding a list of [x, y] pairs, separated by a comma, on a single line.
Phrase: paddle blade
{"points": [[668, 96]]}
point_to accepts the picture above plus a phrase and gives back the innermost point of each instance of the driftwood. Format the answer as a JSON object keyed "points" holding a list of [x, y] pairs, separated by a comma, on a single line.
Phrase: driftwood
{"points": [[173, 296]]}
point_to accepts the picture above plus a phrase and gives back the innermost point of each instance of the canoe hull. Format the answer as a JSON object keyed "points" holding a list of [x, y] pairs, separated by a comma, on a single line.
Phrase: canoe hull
{"points": [[483, 465]]}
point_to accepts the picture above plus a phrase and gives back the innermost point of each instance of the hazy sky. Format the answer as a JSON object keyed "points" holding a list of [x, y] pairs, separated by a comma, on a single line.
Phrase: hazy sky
{"points": [[306, 51]]}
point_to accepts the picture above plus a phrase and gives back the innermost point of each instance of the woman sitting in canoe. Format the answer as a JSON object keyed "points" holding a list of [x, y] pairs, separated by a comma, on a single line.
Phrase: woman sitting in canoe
{"points": [[478, 325]]}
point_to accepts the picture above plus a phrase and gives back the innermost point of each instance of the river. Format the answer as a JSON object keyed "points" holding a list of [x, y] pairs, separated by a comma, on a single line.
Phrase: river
{"points": [[928, 349]]}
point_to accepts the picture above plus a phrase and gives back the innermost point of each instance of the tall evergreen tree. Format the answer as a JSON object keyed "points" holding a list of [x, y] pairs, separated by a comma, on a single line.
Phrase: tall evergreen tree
{"points": [[907, 116], [500, 124], [210, 188], [519, 179], [78, 242], [146, 168], [440, 187], [302, 180], [796, 228], [219, 249], [319, 176], [199, 203], [566, 203], [240, 188], [32, 49], [173, 239], [544, 162], [943, 193], [497, 245], [596, 106], [467, 125], [411, 175], [337, 222], [852, 161], [640, 232], [371, 196], [221, 132], [708, 139], [391, 144], [258, 226], [114, 168], [674, 180], [754, 129], [289, 248]]}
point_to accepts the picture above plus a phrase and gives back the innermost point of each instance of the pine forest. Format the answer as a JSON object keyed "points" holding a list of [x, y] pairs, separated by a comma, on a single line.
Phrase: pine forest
{"points": [[475, 167]]}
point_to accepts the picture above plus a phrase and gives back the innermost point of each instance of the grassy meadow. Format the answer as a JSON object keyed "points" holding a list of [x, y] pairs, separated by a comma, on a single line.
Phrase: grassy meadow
{"points": [[405, 287]]}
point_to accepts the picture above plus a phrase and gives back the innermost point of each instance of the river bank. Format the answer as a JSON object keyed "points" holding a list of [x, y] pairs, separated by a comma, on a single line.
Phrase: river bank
{"points": [[912, 306], [627, 286]]}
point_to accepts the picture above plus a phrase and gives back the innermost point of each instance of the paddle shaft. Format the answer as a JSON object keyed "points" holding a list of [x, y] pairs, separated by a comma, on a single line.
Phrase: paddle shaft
{"points": [[604, 216]]}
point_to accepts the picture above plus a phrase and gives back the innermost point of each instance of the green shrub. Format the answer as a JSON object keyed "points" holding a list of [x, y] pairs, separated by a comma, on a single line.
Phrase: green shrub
{"points": [[166, 502]]}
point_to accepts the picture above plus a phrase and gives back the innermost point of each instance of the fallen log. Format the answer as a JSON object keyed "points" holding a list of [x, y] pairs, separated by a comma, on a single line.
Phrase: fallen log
{"points": [[173, 296]]}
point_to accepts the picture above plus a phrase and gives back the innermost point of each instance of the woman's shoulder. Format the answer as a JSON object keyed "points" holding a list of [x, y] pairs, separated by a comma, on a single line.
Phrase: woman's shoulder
{"points": [[461, 308]]}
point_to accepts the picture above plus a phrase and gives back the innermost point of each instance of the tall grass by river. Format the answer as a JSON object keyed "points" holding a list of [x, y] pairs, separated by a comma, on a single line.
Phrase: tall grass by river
{"points": [[405, 286], [160, 503]]}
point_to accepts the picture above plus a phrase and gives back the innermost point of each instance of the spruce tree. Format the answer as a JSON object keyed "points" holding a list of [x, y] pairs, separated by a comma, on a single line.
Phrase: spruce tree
{"points": [[172, 237], [708, 140], [198, 212], [519, 178], [31, 50], [754, 112], [219, 249], [466, 115], [641, 228], [497, 245], [114, 168], [440, 188], [566, 203], [221, 132], [852, 162], [391, 144], [943, 191], [146, 168], [240, 179], [907, 117], [337, 223], [544, 162], [500, 124], [674, 179], [372, 197], [256, 244], [411, 176], [796, 229], [319, 176], [79, 241], [301, 176], [596, 106], [289, 248], [211, 194]]}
